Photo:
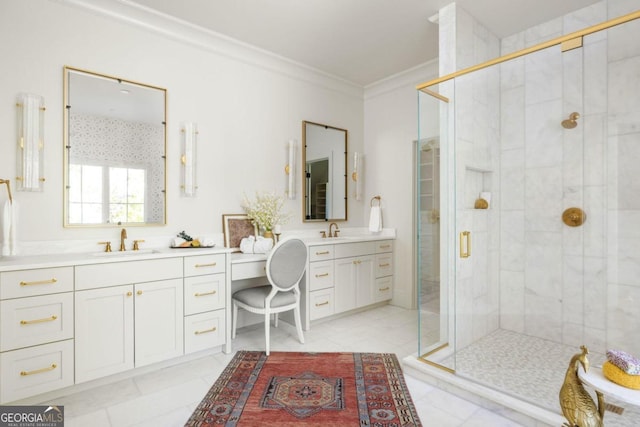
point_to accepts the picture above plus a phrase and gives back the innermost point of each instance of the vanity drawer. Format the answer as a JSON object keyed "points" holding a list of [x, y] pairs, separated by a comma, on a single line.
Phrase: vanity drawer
{"points": [[35, 370], [384, 289], [320, 253], [321, 304], [203, 331], [355, 249], [204, 293], [126, 273], [35, 320], [27, 283], [204, 264], [248, 270], [320, 275], [384, 246], [384, 264]]}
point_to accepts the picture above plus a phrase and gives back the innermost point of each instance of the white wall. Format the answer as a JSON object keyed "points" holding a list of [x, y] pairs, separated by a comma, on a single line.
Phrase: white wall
{"points": [[391, 127], [247, 104]]}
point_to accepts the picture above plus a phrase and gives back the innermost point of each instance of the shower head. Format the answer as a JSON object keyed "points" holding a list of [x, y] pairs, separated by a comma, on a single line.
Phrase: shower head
{"points": [[571, 122]]}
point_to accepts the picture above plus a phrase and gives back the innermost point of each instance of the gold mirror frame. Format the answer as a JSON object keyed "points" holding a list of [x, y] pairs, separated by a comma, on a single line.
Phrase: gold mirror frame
{"points": [[325, 147], [142, 132]]}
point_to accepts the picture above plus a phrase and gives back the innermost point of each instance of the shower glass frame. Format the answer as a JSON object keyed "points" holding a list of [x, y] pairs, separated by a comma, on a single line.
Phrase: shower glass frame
{"points": [[442, 91]]}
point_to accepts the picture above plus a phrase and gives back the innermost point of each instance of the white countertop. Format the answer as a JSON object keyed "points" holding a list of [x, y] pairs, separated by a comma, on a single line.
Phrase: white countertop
{"points": [[68, 259], [25, 262]]}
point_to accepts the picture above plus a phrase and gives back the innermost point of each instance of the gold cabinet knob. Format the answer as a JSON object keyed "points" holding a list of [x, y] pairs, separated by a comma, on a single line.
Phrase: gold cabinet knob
{"points": [[139, 293]]}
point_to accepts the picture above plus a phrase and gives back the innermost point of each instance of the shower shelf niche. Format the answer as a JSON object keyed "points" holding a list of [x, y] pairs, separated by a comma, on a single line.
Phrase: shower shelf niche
{"points": [[476, 181]]}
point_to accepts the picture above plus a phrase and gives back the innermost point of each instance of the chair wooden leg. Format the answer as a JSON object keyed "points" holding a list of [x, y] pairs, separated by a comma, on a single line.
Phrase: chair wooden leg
{"points": [[267, 326], [296, 314], [234, 321]]}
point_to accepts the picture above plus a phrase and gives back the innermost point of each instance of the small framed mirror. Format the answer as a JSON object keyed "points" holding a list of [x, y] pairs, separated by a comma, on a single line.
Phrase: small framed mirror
{"points": [[325, 172], [115, 151]]}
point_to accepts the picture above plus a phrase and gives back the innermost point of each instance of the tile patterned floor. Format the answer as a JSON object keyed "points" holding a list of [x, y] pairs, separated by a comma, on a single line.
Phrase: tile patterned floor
{"points": [[504, 359], [166, 398]]}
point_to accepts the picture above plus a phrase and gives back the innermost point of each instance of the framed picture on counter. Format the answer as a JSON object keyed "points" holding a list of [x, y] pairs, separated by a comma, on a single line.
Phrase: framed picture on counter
{"points": [[236, 227]]}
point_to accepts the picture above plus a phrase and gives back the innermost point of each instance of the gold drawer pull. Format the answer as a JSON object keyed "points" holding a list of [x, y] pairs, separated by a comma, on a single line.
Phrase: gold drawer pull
{"points": [[31, 322], [198, 294], [39, 282], [384, 289], [322, 253], [213, 264], [206, 331], [385, 246], [384, 265], [322, 303], [39, 371], [357, 261], [322, 275]]}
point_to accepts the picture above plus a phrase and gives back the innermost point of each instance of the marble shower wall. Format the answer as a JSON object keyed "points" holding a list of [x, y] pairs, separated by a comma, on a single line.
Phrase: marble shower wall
{"points": [[475, 103], [572, 285]]}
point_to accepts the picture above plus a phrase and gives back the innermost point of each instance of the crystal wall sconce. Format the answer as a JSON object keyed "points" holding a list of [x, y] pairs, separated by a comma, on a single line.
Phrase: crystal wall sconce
{"points": [[290, 169], [30, 153], [189, 133], [357, 176]]}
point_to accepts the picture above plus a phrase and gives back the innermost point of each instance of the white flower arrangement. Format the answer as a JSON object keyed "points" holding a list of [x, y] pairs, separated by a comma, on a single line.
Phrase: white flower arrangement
{"points": [[266, 210]]}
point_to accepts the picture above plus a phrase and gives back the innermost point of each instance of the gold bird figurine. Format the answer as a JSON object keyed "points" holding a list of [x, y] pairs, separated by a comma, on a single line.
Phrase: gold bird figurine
{"points": [[577, 405]]}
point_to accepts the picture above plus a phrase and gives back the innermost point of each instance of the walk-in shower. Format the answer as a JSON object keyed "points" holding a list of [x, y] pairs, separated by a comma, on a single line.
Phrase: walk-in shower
{"points": [[551, 126]]}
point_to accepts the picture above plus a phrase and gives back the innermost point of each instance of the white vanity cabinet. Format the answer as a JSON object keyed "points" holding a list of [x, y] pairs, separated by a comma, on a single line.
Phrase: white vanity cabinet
{"points": [[36, 331], [204, 302], [344, 276], [383, 289], [320, 274], [128, 314], [355, 271]]}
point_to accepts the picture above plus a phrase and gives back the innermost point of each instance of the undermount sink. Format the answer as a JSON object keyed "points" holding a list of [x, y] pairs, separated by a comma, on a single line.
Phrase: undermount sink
{"points": [[126, 253]]}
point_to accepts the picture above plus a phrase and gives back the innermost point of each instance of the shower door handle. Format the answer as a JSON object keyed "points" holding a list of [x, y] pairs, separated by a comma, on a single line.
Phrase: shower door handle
{"points": [[465, 244]]}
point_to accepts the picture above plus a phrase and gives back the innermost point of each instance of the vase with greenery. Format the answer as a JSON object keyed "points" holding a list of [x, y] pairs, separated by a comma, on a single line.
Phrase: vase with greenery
{"points": [[265, 211]]}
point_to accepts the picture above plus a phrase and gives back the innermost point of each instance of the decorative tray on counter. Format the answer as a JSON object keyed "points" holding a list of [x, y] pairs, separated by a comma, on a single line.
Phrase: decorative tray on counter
{"points": [[192, 247]]}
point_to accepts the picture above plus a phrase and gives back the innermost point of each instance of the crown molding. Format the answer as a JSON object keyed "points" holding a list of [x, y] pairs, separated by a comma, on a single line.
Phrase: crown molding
{"points": [[176, 29]]}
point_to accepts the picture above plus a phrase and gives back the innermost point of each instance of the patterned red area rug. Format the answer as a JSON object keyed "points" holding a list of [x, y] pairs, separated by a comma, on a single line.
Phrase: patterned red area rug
{"points": [[308, 389]]}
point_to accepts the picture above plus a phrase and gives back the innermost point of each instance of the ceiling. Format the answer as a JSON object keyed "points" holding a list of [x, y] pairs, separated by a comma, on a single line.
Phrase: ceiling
{"points": [[361, 41]]}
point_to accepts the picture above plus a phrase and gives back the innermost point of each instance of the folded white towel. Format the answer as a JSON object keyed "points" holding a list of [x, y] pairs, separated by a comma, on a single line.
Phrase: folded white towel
{"points": [[177, 241], [13, 233], [255, 245], [375, 219], [6, 228]]}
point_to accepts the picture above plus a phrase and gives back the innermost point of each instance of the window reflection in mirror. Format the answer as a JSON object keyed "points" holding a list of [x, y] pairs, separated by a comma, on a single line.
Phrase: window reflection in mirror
{"points": [[325, 174], [115, 145]]}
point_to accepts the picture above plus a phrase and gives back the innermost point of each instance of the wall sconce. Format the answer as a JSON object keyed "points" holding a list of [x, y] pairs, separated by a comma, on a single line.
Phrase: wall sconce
{"points": [[189, 133], [290, 169], [30, 153], [357, 176]]}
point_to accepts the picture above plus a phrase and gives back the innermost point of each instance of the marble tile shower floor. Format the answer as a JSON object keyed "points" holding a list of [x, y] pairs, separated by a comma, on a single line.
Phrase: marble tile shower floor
{"points": [[531, 369]]}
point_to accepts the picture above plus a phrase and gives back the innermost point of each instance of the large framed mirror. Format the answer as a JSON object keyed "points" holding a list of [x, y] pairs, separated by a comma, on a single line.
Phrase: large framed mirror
{"points": [[325, 172], [114, 151]]}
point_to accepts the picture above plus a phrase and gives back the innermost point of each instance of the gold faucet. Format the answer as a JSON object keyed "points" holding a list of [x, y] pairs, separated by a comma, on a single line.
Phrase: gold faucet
{"points": [[123, 235], [333, 233]]}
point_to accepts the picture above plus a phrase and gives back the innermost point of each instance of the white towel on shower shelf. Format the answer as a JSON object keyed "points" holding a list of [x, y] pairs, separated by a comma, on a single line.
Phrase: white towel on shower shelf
{"points": [[375, 219]]}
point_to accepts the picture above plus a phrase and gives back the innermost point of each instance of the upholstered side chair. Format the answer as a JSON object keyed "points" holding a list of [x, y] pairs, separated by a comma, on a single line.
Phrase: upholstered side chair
{"points": [[286, 264]]}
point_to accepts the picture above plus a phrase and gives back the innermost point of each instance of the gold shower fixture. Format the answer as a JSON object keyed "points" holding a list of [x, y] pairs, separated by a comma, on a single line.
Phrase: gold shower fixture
{"points": [[571, 122]]}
